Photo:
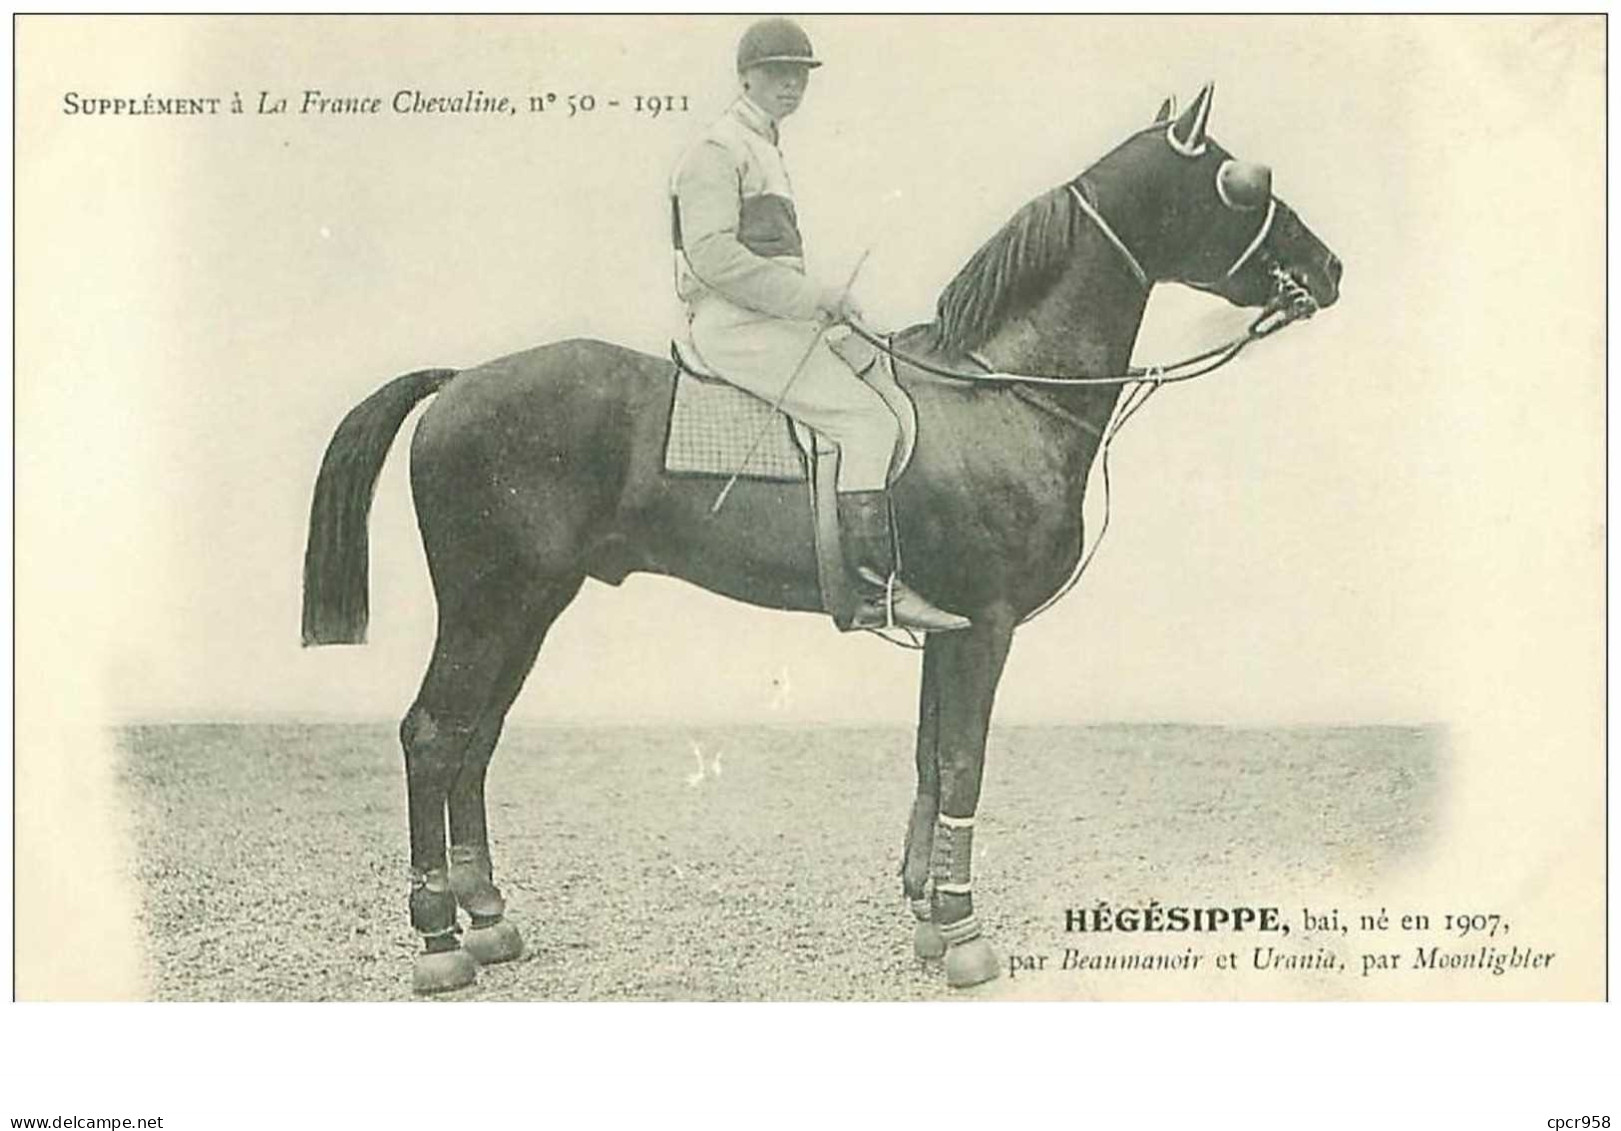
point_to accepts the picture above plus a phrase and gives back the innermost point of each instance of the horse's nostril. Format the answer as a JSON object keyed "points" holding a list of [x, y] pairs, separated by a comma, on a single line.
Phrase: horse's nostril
{"points": [[1334, 268]]}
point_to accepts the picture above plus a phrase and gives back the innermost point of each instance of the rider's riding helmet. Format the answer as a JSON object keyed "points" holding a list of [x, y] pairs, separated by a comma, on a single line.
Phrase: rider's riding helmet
{"points": [[776, 40]]}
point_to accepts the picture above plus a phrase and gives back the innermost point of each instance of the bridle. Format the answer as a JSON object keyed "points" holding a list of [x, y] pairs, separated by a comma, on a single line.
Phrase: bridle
{"points": [[1290, 302], [1135, 264]]}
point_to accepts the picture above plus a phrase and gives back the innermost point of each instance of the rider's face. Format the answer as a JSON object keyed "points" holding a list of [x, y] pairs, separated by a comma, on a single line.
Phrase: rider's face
{"points": [[776, 88]]}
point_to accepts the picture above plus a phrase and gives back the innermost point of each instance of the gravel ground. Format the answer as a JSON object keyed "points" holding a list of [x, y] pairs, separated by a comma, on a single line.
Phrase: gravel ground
{"points": [[272, 858]]}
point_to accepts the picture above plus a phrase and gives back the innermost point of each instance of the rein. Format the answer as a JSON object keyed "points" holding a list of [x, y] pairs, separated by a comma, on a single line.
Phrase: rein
{"points": [[1289, 307], [1151, 374]]}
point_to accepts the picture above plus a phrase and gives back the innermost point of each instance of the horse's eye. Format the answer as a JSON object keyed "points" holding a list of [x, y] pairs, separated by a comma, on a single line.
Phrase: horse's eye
{"points": [[1243, 185]]}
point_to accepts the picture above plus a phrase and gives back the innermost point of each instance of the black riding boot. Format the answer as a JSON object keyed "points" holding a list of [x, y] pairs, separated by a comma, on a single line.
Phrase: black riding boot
{"points": [[869, 553]]}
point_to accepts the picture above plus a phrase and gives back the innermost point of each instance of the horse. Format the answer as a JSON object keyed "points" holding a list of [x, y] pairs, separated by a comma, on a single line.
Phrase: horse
{"points": [[535, 471]]}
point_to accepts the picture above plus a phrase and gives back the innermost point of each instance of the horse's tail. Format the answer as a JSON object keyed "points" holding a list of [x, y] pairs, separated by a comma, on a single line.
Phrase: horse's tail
{"points": [[336, 555]]}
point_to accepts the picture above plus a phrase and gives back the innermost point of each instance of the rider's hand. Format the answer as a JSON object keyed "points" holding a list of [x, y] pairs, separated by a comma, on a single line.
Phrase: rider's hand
{"points": [[836, 304]]}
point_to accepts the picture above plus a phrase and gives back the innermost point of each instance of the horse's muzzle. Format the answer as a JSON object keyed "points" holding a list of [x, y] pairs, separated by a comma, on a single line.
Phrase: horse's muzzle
{"points": [[1292, 301]]}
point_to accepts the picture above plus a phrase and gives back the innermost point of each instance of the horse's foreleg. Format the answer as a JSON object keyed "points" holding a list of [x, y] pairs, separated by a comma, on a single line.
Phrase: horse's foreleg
{"points": [[927, 941], [490, 938], [970, 665]]}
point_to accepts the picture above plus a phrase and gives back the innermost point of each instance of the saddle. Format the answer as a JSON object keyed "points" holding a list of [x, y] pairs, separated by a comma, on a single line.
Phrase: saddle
{"points": [[714, 426]]}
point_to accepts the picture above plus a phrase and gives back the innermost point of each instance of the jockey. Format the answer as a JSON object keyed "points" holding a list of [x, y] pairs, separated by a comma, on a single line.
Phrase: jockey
{"points": [[757, 320]]}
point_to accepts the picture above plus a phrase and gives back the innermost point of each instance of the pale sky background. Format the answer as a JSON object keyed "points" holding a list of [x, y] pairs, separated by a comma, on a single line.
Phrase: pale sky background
{"points": [[1389, 513]]}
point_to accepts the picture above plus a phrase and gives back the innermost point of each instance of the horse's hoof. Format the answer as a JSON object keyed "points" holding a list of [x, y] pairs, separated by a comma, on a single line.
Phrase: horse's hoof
{"points": [[928, 942], [442, 972], [499, 942], [971, 963]]}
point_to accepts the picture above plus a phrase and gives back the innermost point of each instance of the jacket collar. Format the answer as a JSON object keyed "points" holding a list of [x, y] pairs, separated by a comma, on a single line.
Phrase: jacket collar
{"points": [[754, 118]]}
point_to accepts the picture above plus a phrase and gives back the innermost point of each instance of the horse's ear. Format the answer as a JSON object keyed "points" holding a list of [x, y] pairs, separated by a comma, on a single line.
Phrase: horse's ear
{"points": [[1167, 110], [1186, 134]]}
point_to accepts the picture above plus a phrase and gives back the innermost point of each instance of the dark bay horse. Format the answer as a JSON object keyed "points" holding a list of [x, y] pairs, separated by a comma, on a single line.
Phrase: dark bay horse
{"points": [[535, 471]]}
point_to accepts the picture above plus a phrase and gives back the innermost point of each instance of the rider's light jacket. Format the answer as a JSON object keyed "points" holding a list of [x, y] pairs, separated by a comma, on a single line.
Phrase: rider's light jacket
{"points": [[733, 223]]}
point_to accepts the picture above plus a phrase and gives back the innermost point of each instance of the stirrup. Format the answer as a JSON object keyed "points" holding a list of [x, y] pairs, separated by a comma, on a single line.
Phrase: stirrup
{"points": [[903, 607]]}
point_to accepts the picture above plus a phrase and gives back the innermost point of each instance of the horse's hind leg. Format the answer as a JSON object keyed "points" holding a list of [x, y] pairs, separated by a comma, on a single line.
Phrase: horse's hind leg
{"points": [[490, 938], [488, 637]]}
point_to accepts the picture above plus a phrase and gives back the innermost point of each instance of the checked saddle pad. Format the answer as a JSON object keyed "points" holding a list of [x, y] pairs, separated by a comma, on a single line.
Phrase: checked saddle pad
{"points": [[713, 426]]}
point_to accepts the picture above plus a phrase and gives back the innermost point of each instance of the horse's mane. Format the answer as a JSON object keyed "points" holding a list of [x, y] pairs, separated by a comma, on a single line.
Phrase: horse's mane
{"points": [[1014, 268]]}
